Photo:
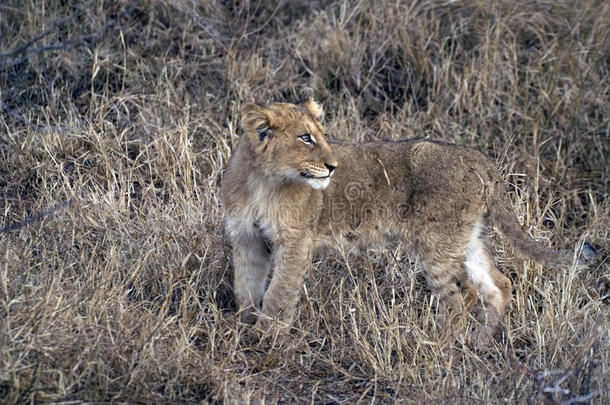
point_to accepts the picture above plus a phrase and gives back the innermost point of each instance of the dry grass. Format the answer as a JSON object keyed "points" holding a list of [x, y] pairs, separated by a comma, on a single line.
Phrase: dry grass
{"points": [[125, 295]]}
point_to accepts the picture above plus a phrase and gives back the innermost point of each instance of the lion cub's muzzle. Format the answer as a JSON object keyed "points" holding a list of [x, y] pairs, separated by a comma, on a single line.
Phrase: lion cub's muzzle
{"points": [[317, 172], [316, 176]]}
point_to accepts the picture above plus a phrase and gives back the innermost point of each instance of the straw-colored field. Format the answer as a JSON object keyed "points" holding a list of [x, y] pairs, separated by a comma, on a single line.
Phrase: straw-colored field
{"points": [[117, 118]]}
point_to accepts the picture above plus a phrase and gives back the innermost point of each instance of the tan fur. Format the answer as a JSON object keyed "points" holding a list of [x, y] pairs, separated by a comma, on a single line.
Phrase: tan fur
{"points": [[435, 197]]}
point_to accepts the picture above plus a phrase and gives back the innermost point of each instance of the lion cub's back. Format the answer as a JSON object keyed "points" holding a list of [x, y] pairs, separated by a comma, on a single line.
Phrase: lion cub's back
{"points": [[404, 165], [414, 180]]}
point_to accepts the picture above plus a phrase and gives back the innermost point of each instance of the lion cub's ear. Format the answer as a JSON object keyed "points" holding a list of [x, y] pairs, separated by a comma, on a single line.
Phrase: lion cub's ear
{"points": [[253, 116], [314, 108], [255, 121]]}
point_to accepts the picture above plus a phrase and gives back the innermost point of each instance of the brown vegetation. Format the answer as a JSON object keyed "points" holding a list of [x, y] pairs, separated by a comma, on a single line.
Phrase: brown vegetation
{"points": [[121, 115]]}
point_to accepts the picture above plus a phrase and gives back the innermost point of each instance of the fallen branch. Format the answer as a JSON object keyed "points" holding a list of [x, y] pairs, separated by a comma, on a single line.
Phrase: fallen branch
{"points": [[35, 127], [26, 49], [50, 212]]}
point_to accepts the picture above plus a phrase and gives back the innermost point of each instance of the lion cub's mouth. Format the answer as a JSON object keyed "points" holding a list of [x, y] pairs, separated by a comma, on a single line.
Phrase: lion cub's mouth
{"points": [[316, 182], [311, 176]]}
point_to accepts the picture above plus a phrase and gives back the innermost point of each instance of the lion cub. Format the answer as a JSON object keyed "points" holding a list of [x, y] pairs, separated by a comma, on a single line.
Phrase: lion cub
{"points": [[286, 190]]}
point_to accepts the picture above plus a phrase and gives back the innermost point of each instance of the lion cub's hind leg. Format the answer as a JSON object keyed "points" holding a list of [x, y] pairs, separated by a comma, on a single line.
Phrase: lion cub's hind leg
{"points": [[493, 286], [251, 263], [447, 280]]}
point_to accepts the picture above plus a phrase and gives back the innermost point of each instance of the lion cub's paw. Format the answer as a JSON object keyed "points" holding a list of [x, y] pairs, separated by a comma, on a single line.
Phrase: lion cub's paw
{"points": [[270, 331], [483, 338]]}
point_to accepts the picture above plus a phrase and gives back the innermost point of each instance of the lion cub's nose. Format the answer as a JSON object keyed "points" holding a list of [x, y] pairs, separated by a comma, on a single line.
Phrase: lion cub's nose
{"points": [[330, 168]]}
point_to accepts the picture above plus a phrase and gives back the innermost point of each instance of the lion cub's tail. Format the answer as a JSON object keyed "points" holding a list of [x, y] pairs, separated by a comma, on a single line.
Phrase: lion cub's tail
{"points": [[504, 219]]}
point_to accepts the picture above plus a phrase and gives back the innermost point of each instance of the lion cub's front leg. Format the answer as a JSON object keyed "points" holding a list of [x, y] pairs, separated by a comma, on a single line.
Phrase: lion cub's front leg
{"points": [[251, 263], [292, 255]]}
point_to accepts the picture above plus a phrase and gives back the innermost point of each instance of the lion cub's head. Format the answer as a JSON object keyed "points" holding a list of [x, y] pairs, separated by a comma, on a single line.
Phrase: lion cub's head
{"points": [[289, 141]]}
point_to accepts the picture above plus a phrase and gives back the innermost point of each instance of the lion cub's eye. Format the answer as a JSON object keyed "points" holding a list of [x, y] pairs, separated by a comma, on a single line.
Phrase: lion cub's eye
{"points": [[263, 133], [307, 139]]}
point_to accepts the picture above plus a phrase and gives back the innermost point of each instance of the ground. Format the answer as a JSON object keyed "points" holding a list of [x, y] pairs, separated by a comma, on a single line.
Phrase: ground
{"points": [[118, 116]]}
